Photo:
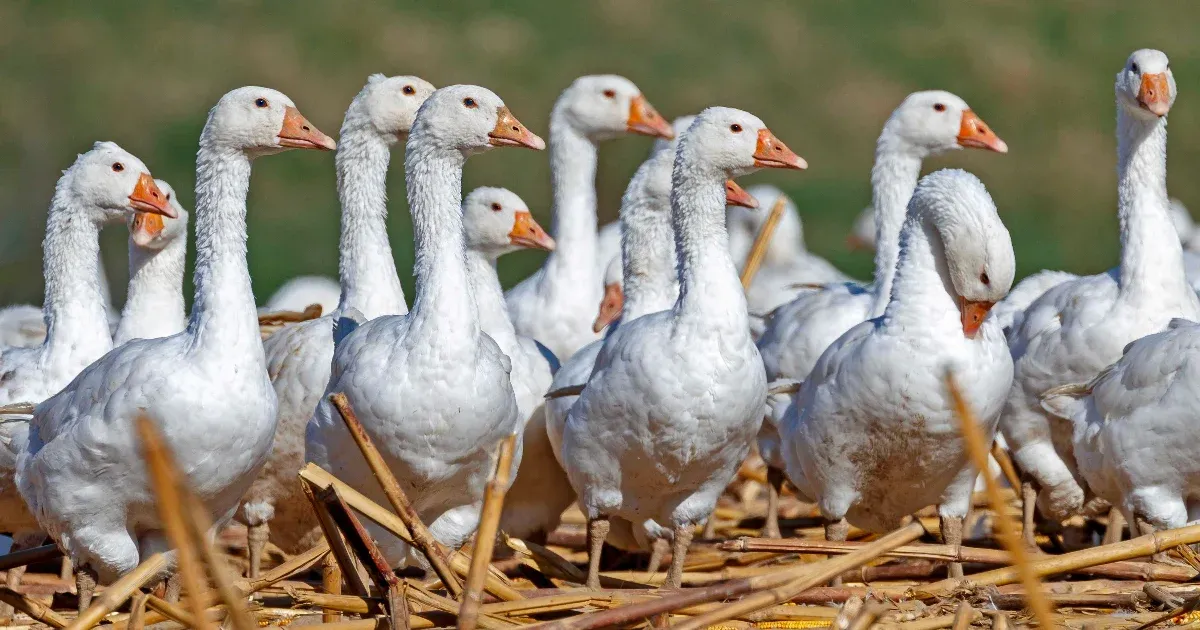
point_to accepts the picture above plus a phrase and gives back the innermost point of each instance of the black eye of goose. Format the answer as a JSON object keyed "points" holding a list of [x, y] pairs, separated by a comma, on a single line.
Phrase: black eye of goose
{"points": [[409, 90], [610, 93], [117, 167], [939, 107], [735, 128], [1134, 67], [983, 277], [470, 103], [260, 102], [495, 206]]}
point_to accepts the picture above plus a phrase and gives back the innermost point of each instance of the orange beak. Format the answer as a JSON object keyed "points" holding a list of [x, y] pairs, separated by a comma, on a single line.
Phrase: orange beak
{"points": [[645, 120], [737, 196], [145, 228], [1155, 94], [298, 133], [973, 314], [509, 132], [610, 306], [772, 153], [527, 233], [973, 133], [147, 197]]}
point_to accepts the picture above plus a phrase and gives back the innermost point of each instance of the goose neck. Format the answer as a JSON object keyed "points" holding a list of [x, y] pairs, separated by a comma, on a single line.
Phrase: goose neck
{"points": [[647, 253], [154, 302], [573, 158], [489, 299], [366, 269], [1151, 254], [709, 289], [223, 313], [73, 306], [922, 296], [893, 178]]}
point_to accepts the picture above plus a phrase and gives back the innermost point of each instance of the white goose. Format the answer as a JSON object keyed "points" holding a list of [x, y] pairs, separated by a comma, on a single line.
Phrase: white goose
{"points": [[613, 302], [430, 387], [298, 356], [676, 397], [1078, 328], [157, 252], [301, 292], [925, 124], [556, 305], [206, 387], [872, 436]]}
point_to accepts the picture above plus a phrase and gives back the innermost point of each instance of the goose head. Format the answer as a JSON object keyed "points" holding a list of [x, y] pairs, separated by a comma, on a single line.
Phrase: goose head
{"points": [[387, 106], [471, 119], [261, 121], [152, 231], [108, 183], [613, 301], [733, 143], [606, 106], [497, 221], [976, 247], [1145, 85], [936, 121]]}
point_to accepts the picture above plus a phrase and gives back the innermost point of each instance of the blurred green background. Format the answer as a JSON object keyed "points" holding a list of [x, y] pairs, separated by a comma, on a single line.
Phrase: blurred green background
{"points": [[823, 75]]}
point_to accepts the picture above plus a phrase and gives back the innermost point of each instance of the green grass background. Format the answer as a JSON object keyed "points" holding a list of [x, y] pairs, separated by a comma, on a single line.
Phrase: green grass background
{"points": [[823, 75]]}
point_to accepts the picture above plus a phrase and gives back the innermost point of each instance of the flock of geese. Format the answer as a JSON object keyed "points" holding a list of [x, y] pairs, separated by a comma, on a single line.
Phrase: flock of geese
{"points": [[838, 385]]}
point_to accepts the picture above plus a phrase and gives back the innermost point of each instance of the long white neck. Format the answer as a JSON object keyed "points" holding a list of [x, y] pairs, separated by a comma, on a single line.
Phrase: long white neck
{"points": [[366, 269], [710, 293], [223, 313], [1151, 255], [154, 302], [444, 303], [648, 243], [922, 297], [105, 290], [73, 306], [489, 299], [573, 160], [893, 178]]}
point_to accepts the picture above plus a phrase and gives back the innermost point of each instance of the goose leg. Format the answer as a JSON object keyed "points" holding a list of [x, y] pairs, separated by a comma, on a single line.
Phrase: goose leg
{"points": [[774, 487], [256, 542], [66, 570], [837, 531], [952, 535], [657, 553], [1116, 523], [679, 547], [597, 532], [85, 586], [710, 527], [1028, 506]]}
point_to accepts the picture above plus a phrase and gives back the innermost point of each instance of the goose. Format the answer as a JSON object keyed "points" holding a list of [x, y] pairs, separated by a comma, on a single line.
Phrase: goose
{"points": [[872, 435], [862, 233], [924, 124], [298, 356], [556, 305], [676, 397], [205, 387], [21, 326], [1132, 428], [613, 301], [157, 249], [430, 388], [301, 292], [1076, 329]]}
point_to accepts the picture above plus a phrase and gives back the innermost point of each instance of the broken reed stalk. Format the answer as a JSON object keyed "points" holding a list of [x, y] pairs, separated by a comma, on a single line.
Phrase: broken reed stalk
{"points": [[170, 611], [485, 535], [337, 544], [978, 450], [198, 526], [422, 539], [35, 609], [298, 564], [312, 311], [29, 556], [762, 241], [1006, 466], [116, 594]]}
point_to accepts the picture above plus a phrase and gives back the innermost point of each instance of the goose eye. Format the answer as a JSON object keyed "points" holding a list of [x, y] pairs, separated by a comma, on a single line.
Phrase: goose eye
{"points": [[118, 167], [610, 93], [409, 90], [260, 102], [735, 128], [470, 103], [983, 277], [939, 107], [495, 206], [1134, 67]]}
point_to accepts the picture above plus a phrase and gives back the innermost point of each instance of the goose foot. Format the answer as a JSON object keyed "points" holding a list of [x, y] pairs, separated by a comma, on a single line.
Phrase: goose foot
{"points": [[774, 487], [837, 531], [256, 543], [952, 535], [679, 547], [597, 532], [85, 586], [657, 553]]}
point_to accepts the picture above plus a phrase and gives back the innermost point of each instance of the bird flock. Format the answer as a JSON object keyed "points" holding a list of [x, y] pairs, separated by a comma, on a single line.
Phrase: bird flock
{"points": [[638, 368]]}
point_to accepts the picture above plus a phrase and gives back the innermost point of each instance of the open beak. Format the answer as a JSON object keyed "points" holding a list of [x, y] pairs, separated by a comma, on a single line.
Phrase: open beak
{"points": [[145, 228], [645, 120], [610, 306], [772, 153], [973, 133], [973, 314], [147, 197], [509, 132], [1155, 94], [737, 196], [527, 233], [298, 133]]}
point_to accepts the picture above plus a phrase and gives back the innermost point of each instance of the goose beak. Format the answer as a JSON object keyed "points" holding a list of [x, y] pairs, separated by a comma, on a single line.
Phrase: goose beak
{"points": [[737, 196], [646, 121], [145, 228], [147, 197], [973, 314], [854, 243], [509, 132], [973, 133], [773, 153], [610, 306], [298, 133], [1155, 94], [527, 233]]}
